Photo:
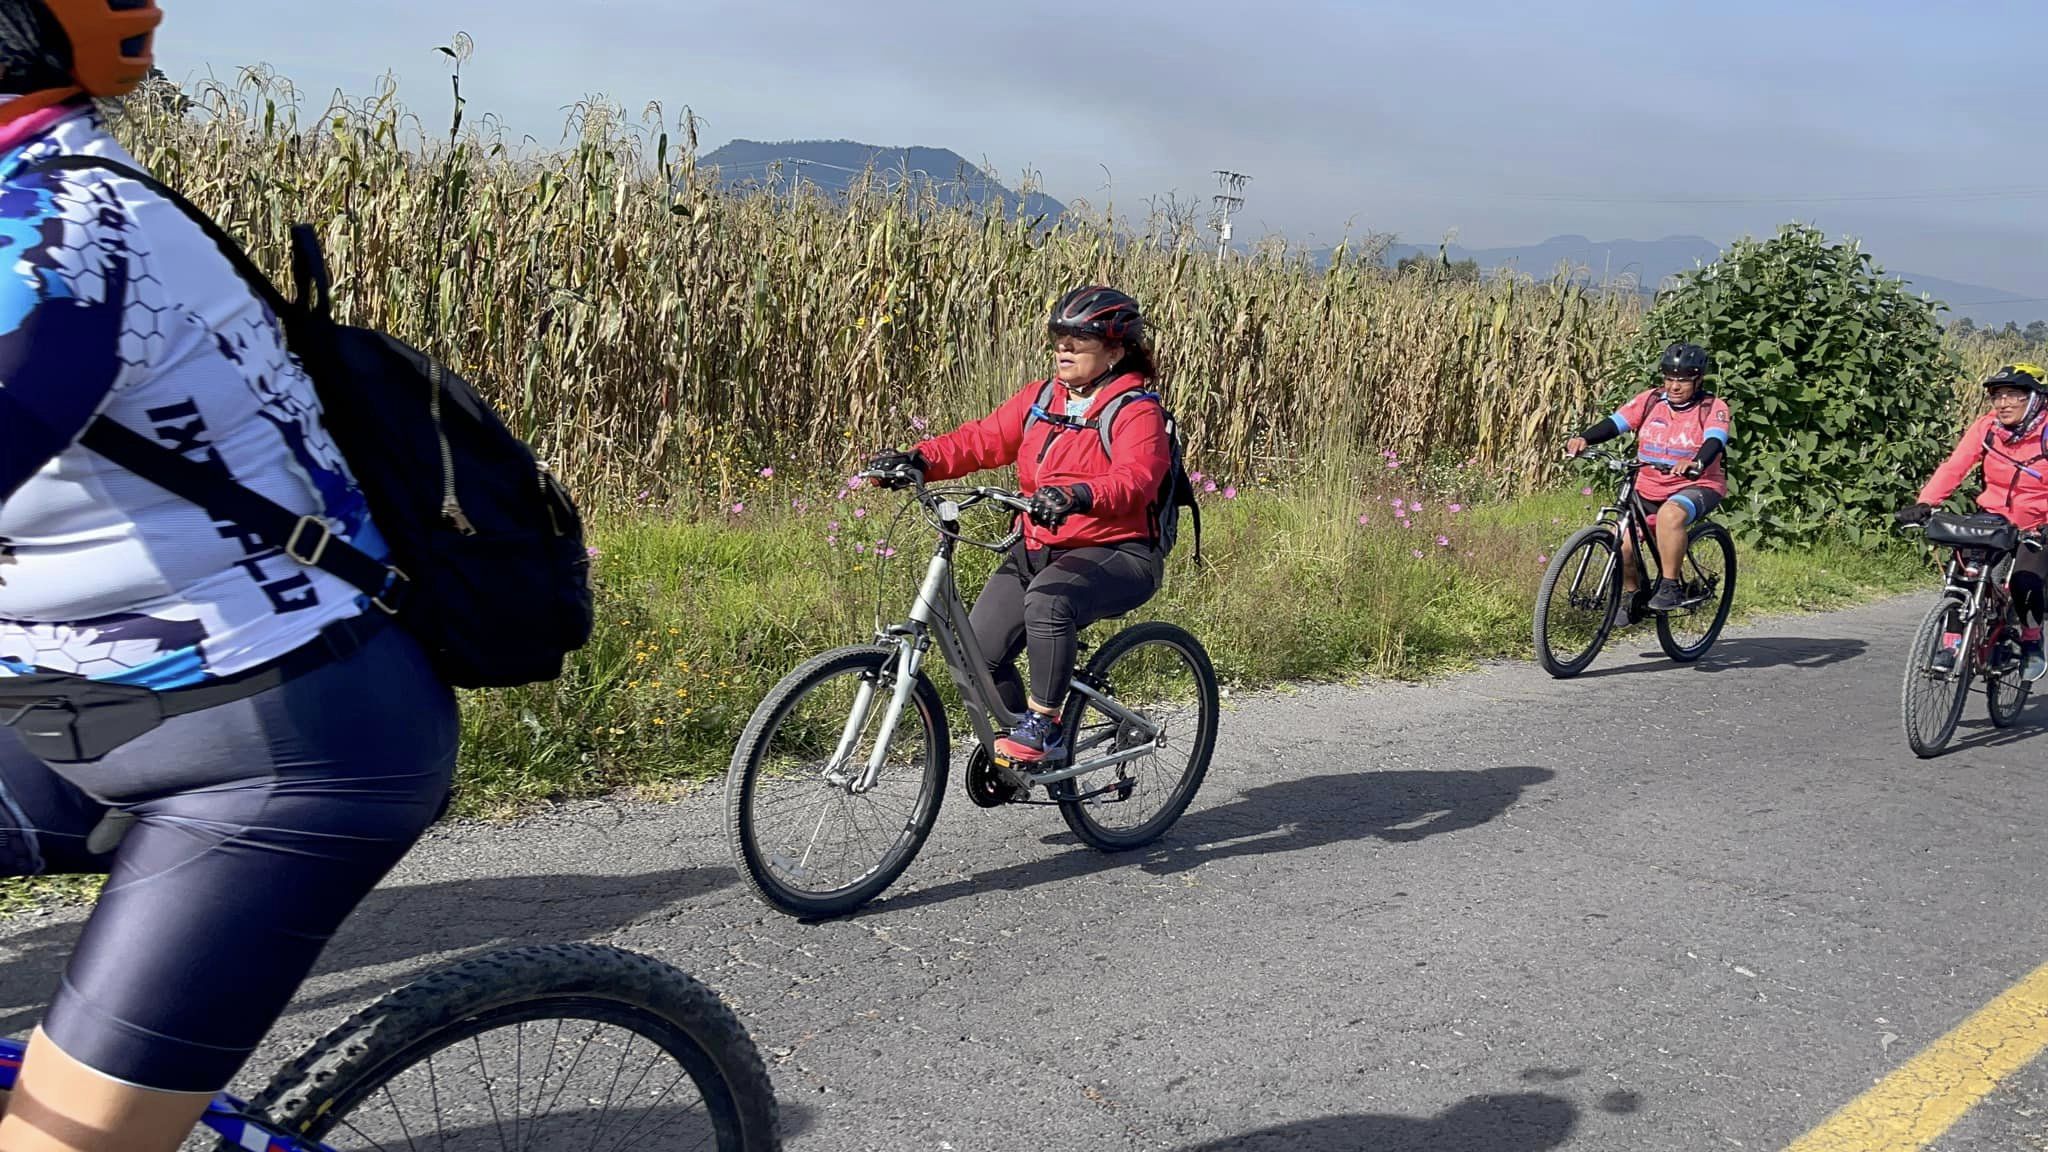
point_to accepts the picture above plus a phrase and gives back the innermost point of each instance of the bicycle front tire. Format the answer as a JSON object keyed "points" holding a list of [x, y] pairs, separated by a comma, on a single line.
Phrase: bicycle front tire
{"points": [[317, 1096], [1588, 547], [758, 860]]}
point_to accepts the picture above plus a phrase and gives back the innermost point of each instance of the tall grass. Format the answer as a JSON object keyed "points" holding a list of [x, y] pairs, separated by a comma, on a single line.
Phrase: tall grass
{"points": [[650, 332]]}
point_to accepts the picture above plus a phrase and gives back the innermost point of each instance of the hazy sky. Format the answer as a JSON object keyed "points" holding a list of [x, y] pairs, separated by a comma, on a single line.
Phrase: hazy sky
{"points": [[1921, 128]]}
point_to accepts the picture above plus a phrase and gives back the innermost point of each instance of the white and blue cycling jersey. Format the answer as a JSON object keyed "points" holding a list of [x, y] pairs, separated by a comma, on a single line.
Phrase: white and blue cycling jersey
{"points": [[113, 303]]}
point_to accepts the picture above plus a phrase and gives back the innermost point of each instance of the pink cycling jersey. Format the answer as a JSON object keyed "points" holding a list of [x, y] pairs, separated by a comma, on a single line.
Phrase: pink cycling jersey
{"points": [[1666, 435]]}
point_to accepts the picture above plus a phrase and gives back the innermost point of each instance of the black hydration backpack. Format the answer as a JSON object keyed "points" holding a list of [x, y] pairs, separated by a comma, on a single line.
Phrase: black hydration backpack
{"points": [[1175, 492], [488, 568]]}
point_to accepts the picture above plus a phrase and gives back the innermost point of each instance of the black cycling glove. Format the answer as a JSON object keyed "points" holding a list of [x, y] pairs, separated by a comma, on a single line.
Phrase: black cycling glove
{"points": [[898, 463], [1917, 514], [1052, 505]]}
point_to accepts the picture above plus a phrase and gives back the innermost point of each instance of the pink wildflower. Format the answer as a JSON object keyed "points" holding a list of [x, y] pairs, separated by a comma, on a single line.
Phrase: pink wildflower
{"points": [[767, 473], [1443, 541], [1363, 519], [1457, 508], [1230, 493], [860, 513], [1417, 553], [1585, 491], [1209, 487]]}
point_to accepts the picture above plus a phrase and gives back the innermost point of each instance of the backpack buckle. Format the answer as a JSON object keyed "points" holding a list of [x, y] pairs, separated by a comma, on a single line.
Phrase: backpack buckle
{"points": [[296, 546], [392, 597]]}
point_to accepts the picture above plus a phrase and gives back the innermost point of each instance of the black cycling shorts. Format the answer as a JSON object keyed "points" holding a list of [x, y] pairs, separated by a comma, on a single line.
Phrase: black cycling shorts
{"points": [[261, 824], [1696, 500]]}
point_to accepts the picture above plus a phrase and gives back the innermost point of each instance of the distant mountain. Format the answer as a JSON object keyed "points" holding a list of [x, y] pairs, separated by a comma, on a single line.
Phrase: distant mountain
{"points": [[833, 165], [1650, 262]]}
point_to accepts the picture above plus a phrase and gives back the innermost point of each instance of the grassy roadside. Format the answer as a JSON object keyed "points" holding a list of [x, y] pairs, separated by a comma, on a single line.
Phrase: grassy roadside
{"points": [[701, 616]]}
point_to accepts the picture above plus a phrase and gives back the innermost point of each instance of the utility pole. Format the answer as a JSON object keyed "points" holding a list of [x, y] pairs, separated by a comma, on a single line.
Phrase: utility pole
{"points": [[1226, 203]]}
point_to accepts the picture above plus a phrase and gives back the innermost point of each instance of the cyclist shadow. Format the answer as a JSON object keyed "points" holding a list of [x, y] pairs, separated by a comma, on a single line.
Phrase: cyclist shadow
{"points": [[400, 931], [1746, 653], [1520, 1122], [1310, 812]]}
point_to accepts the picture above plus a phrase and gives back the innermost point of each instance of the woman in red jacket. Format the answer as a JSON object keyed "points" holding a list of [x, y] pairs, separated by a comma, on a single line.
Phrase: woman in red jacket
{"points": [[1090, 544], [2011, 441]]}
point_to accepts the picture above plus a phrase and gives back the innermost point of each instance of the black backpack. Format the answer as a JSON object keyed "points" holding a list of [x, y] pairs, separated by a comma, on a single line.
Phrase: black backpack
{"points": [[488, 568], [1175, 492]]}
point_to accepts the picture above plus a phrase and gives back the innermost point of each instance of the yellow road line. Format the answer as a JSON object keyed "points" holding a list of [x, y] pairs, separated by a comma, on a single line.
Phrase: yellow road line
{"points": [[1912, 1107]]}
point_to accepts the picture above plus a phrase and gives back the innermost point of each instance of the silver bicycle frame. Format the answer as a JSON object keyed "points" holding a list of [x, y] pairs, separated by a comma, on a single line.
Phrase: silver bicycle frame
{"points": [[939, 612]]}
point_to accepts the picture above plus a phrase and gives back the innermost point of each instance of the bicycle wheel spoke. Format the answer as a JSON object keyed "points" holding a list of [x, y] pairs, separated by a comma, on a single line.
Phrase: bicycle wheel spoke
{"points": [[631, 1136], [398, 1114], [484, 1074]]}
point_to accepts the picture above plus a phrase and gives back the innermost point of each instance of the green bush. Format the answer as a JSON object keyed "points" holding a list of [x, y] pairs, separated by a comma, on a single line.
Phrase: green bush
{"points": [[1839, 383]]}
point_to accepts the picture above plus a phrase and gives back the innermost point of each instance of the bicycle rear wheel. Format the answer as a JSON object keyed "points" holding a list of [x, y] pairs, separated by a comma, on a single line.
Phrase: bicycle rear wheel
{"points": [[1161, 672], [2005, 693], [1708, 576], [1576, 601], [807, 843], [561, 1046], [1930, 703]]}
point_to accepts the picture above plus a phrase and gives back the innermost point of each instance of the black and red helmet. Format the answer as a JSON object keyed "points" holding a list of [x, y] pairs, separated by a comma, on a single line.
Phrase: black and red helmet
{"points": [[1098, 311]]}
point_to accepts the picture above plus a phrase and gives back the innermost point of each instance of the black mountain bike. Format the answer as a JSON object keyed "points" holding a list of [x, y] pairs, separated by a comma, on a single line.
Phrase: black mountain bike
{"points": [[1970, 634], [1576, 603]]}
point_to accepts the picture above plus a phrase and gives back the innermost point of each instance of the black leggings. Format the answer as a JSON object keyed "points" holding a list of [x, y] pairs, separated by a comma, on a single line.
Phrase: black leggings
{"points": [[1046, 596], [2029, 580], [261, 824]]}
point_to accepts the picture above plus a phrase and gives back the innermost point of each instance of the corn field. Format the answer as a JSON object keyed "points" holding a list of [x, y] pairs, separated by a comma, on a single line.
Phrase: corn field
{"points": [[651, 333]]}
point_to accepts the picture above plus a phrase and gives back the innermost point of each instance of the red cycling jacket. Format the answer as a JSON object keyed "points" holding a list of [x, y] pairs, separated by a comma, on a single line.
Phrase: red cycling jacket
{"points": [[2015, 474], [1124, 488]]}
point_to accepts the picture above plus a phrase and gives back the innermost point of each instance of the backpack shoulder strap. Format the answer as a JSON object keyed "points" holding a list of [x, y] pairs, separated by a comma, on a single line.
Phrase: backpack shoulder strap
{"points": [[1042, 408], [244, 267], [306, 539], [1107, 420]]}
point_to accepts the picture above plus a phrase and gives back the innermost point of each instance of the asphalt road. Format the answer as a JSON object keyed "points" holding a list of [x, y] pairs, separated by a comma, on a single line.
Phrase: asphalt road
{"points": [[1657, 907]]}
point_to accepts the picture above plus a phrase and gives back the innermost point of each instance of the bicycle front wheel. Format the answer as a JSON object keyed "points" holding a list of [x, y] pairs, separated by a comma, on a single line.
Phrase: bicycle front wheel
{"points": [[560, 1046], [1931, 700], [1161, 673], [808, 839], [1576, 601], [1709, 588]]}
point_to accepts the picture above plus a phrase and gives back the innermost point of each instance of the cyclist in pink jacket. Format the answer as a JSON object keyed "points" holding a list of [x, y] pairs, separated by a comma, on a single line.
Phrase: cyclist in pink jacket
{"points": [[2011, 442]]}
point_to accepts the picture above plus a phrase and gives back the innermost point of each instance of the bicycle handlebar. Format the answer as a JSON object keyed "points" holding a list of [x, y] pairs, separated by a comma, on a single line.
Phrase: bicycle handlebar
{"points": [[1616, 463], [936, 501]]}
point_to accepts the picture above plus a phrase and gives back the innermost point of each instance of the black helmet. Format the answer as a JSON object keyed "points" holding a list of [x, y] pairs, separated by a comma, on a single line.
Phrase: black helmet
{"points": [[1094, 310], [2026, 376], [1685, 360]]}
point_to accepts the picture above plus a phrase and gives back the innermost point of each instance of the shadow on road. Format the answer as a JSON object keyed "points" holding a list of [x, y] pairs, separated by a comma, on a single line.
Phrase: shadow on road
{"points": [[420, 923], [1523, 1122], [1745, 653], [1291, 815]]}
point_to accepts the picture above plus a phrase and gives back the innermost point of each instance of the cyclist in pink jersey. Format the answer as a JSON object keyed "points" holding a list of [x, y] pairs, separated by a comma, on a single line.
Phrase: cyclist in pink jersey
{"points": [[1685, 428], [2011, 442]]}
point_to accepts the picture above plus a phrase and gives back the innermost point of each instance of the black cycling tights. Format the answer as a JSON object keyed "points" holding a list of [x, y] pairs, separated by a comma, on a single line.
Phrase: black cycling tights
{"points": [[260, 826], [2030, 585], [1046, 596]]}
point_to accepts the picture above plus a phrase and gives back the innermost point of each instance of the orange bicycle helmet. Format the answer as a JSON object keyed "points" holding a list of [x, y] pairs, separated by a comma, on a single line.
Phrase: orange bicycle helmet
{"points": [[112, 42]]}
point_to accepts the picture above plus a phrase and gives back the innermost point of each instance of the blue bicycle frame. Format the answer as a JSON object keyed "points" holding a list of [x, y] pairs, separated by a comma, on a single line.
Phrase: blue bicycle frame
{"points": [[227, 1115]]}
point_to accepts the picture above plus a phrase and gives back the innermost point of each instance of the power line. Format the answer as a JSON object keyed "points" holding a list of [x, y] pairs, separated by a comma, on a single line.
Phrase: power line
{"points": [[1962, 195]]}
